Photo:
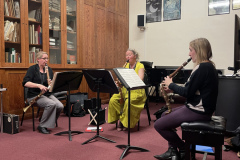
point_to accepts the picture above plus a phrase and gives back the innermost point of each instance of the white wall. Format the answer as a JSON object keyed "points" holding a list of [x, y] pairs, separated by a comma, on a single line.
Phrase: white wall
{"points": [[166, 43]]}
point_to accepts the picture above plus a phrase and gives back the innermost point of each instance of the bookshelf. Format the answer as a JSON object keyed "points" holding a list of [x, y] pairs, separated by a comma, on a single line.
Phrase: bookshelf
{"points": [[34, 25], [34, 30], [12, 52]]}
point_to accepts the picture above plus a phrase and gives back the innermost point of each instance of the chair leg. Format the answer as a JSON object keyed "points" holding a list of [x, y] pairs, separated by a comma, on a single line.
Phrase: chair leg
{"points": [[38, 112], [148, 113], [146, 106], [33, 118], [56, 123], [138, 124], [22, 118], [187, 151], [193, 151], [218, 152]]}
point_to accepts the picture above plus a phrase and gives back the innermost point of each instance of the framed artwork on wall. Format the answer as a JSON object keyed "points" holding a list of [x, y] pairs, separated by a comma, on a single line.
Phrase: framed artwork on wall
{"points": [[171, 10], [216, 7], [236, 4], [153, 11]]}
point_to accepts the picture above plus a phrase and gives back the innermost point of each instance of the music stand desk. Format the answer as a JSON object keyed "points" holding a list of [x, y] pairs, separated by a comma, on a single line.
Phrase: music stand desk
{"points": [[2, 90]]}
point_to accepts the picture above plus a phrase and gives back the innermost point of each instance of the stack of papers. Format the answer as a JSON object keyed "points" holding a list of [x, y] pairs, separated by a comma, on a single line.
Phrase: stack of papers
{"points": [[93, 129]]}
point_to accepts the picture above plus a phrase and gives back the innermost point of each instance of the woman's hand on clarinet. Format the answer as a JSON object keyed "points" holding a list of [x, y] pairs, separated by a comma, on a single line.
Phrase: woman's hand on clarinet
{"points": [[118, 83], [167, 81], [42, 88]]}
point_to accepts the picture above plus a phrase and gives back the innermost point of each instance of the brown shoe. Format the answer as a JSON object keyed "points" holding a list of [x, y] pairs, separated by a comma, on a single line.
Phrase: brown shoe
{"points": [[120, 126]]}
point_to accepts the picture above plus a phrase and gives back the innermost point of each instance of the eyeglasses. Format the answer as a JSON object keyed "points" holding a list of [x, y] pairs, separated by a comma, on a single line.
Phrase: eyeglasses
{"points": [[44, 58]]}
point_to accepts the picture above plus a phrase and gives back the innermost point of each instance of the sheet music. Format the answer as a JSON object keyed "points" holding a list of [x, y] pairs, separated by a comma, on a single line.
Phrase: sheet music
{"points": [[131, 77]]}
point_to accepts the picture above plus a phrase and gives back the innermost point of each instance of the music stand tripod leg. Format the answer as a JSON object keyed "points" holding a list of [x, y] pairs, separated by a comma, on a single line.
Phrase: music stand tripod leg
{"points": [[69, 132], [97, 114], [128, 147]]}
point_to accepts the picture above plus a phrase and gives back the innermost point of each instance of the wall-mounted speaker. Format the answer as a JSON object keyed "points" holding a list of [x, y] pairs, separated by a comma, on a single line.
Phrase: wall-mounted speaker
{"points": [[140, 21]]}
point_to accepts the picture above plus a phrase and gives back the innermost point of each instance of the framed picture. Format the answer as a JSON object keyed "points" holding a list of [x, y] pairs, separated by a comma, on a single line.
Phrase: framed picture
{"points": [[236, 4], [153, 11], [171, 10], [216, 7]]}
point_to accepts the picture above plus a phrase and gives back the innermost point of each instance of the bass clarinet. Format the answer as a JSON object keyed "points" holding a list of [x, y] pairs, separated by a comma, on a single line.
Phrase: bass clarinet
{"points": [[165, 96], [38, 96]]}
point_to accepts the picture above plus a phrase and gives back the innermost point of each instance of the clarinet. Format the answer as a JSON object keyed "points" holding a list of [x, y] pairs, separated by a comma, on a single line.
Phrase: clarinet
{"points": [[121, 101], [165, 96], [38, 96], [46, 71]]}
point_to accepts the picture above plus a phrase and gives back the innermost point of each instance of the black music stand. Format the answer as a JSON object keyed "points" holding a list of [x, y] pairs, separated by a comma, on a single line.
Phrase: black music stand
{"points": [[125, 84], [67, 81], [100, 81], [155, 76]]}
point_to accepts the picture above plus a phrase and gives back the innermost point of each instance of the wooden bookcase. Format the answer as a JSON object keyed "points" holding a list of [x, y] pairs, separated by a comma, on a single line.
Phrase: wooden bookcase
{"points": [[87, 34], [12, 47], [75, 33]]}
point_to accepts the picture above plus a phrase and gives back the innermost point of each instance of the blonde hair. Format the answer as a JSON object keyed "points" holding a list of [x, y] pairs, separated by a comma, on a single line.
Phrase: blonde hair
{"points": [[134, 52], [39, 55], [203, 50]]}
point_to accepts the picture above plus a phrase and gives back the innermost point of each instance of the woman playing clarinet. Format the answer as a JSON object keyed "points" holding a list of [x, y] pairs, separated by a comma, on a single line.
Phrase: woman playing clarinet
{"points": [[117, 112], [200, 91], [37, 79]]}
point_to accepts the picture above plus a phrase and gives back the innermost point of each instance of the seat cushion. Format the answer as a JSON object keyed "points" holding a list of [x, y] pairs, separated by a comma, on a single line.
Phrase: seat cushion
{"points": [[217, 124]]}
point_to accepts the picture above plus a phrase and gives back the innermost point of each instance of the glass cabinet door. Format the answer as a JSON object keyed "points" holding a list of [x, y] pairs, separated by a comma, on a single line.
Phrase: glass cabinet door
{"points": [[34, 29], [12, 33], [55, 32], [71, 32]]}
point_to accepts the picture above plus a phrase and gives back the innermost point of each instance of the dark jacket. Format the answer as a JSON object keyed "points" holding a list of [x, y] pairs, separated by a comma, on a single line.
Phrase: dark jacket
{"points": [[201, 89], [33, 75]]}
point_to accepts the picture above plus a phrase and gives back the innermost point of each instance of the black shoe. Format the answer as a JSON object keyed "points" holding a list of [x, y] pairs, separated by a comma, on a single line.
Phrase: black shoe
{"points": [[48, 130], [171, 154], [43, 130]]}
